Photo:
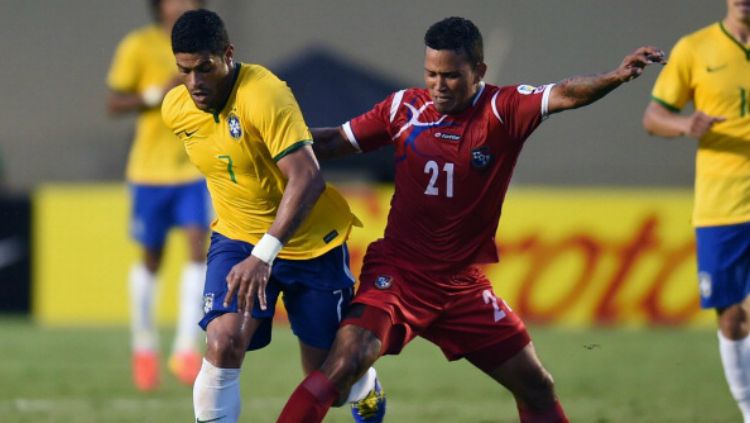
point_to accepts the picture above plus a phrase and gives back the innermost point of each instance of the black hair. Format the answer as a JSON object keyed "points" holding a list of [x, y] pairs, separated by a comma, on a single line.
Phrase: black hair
{"points": [[457, 34], [155, 6], [199, 31]]}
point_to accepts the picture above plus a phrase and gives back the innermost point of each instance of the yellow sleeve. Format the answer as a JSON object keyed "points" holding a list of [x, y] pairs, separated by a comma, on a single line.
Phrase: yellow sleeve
{"points": [[673, 88], [125, 70], [279, 121]]}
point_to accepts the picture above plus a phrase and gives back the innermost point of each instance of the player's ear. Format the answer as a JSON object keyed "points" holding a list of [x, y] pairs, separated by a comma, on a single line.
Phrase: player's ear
{"points": [[229, 55], [480, 70]]}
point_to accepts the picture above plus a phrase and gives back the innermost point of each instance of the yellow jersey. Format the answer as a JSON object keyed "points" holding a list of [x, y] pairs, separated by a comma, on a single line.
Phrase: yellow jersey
{"points": [[237, 148], [712, 69], [144, 59]]}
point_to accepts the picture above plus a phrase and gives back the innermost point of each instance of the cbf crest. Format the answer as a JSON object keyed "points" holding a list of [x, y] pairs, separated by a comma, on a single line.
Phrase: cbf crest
{"points": [[383, 281], [208, 302], [235, 129], [481, 157]]}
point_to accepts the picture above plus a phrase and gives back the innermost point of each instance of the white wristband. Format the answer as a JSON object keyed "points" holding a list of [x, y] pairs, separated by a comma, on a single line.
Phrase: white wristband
{"points": [[267, 248], [152, 96]]}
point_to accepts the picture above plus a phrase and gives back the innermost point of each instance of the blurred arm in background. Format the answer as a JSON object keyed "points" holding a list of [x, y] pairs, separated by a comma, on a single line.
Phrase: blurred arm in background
{"points": [[119, 102], [659, 120]]}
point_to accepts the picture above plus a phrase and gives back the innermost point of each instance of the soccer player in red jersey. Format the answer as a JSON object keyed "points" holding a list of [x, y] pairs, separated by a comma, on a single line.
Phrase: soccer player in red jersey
{"points": [[456, 144]]}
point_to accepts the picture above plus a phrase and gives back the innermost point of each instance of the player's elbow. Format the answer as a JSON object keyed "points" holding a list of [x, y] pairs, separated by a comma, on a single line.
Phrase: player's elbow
{"points": [[648, 123], [313, 182]]}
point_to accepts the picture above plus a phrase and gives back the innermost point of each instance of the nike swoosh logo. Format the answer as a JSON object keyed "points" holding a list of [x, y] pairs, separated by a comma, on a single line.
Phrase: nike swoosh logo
{"points": [[188, 134], [209, 420], [710, 69]]}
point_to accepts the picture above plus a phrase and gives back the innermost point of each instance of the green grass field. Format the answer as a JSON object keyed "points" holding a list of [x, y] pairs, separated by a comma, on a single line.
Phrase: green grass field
{"points": [[602, 375]]}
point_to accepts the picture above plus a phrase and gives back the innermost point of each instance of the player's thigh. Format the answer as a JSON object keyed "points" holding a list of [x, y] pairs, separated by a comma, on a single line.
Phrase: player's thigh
{"points": [[314, 314], [150, 218], [478, 325], [192, 206], [223, 254], [723, 264]]}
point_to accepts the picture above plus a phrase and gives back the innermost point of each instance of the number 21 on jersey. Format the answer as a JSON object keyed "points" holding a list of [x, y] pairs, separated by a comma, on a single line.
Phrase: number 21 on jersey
{"points": [[434, 185]]}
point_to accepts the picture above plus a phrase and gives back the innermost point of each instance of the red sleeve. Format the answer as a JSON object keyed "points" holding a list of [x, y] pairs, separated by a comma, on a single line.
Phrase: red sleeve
{"points": [[521, 108], [371, 130]]}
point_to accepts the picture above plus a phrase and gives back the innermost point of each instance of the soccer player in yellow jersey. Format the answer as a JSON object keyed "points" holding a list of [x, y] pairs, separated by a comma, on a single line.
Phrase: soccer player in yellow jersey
{"points": [[166, 190], [278, 227], [711, 68]]}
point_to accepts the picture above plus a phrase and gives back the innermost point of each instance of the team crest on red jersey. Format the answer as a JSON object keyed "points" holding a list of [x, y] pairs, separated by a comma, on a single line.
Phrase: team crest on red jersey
{"points": [[383, 281], [481, 157]]}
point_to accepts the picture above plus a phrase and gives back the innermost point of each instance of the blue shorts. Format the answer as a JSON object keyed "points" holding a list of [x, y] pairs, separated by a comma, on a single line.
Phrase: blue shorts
{"points": [[317, 292], [723, 264], [158, 208]]}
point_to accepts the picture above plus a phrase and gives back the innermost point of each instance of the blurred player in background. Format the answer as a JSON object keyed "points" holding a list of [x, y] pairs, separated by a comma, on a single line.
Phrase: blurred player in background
{"points": [[711, 69], [278, 228], [166, 191], [456, 144]]}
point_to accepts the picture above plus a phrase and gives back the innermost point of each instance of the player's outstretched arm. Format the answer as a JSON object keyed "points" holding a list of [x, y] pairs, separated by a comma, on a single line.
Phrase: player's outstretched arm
{"points": [[579, 91], [330, 143], [658, 120]]}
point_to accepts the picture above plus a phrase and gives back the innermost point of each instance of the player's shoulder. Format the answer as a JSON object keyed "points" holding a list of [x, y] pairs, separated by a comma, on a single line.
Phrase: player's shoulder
{"points": [[706, 36], [257, 86], [175, 103], [497, 92], [257, 77], [142, 36]]}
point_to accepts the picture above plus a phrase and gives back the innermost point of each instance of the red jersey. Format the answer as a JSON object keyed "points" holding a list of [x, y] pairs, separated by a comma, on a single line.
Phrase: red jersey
{"points": [[452, 171]]}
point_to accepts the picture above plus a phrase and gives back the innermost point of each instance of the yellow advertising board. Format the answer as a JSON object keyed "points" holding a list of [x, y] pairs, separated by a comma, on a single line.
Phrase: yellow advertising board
{"points": [[568, 256]]}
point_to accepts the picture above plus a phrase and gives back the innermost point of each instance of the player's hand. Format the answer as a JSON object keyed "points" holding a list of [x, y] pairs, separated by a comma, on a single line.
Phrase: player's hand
{"points": [[633, 64], [699, 123], [248, 280]]}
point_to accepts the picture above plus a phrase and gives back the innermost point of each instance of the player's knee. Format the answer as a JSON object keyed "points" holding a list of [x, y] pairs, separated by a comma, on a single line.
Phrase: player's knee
{"points": [[227, 349], [348, 361], [540, 390]]}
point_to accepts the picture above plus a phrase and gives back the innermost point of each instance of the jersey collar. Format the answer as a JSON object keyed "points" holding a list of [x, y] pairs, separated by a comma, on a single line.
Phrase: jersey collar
{"points": [[478, 95], [235, 74], [734, 40]]}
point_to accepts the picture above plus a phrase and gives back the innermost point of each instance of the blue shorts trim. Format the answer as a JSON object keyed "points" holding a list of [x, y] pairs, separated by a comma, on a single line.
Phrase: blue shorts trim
{"points": [[316, 292], [723, 264], [157, 208]]}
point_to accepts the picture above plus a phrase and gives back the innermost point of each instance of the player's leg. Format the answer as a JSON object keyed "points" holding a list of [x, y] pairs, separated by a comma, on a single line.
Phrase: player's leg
{"points": [[366, 395], [192, 214], [149, 229], [315, 315], [354, 351], [724, 280], [529, 382], [482, 328], [216, 392]]}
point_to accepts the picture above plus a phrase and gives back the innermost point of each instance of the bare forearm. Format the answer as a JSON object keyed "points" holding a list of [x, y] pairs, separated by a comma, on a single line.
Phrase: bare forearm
{"points": [[300, 195], [330, 143], [663, 123], [121, 103], [579, 91]]}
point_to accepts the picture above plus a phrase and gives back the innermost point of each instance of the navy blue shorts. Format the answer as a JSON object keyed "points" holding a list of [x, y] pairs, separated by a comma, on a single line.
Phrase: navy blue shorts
{"points": [[158, 208], [723, 264], [317, 292]]}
